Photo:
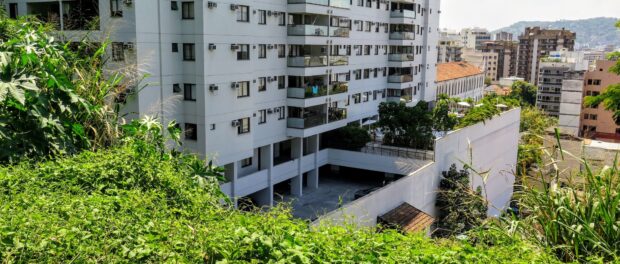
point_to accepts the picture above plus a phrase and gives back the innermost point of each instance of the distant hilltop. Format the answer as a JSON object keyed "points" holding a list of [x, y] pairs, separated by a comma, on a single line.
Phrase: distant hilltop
{"points": [[591, 33]]}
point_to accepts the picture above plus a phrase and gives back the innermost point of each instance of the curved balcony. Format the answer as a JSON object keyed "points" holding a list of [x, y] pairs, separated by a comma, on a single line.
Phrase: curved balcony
{"points": [[308, 61], [339, 32], [402, 36], [332, 3], [400, 78], [317, 91], [308, 30], [402, 13], [401, 57], [339, 60]]}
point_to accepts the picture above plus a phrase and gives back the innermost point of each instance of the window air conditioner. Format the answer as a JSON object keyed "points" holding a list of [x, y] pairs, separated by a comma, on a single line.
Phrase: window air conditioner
{"points": [[235, 123], [269, 111], [234, 7], [128, 46], [277, 109], [269, 13], [270, 46], [234, 85], [213, 87], [212, 46], [234, 46], [211, 4]]}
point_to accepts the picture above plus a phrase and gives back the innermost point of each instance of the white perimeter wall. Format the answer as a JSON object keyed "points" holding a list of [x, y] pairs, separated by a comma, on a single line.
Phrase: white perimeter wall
{"points": [[493, 146]]}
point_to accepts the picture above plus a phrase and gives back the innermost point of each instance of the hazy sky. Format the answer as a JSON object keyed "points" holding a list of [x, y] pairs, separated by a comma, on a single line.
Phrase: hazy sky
{"points": [[495, 14]]}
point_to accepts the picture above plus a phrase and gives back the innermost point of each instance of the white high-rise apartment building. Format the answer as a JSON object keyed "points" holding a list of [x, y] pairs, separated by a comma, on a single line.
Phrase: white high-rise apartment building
{"points": [[255, 83]]}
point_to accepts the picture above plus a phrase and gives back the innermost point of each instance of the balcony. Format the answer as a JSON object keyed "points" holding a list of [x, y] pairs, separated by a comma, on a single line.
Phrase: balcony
{"points": [[308, 30], [308, 61], [305, 118], [400, 78], [332, 3], [339, 32], [314, 91], [76, 15], [402, 13], [400, 57], [403, 35], [339, 60]]}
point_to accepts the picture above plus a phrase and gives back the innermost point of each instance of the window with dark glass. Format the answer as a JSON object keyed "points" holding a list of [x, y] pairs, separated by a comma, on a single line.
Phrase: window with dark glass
{"points": [[118, 51], [191, 131], [281, 82], [262, 84], [262, 17], [262, 116], [175, 47], [243, 13], [246, 162], [176, 88], [187, 9], [243, 90], [116, 8], [244, 52], [281, 50], [174, 5], [189, 92], [189, 52], [244, 126], [262, 51]]}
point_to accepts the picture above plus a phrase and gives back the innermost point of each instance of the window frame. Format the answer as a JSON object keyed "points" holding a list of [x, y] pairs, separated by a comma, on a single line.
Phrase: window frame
{"points": [[116, 8], [189, 92], [243, 16], [243, 90], [189, 52], [262, 17], [241, 52], [118, 51], [244, 126], [188, 10], [262, 84], [262, 51], [262, 116], [191, 131]]}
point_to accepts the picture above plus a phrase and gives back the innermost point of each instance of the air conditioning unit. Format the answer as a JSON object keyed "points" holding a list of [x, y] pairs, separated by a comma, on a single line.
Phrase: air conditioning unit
{"points": [[269, 12], [234, 46], [276, 13], [211, 4], [234, 7], [235, 123], [356, 22], [128, 46], [270, 46], [213, 87], [234, 85], [277, 109], [212, 46], [269, 111], [128, 2]]}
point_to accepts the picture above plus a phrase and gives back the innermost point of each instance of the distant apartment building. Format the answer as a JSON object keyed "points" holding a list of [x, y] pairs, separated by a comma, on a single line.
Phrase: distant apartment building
{"points": [[450, 47], [460, 79], [571, 102], [506, 56], [473, 38], [592, 56], [486, 61], [536, 43], [596, 122], [503, 36]]}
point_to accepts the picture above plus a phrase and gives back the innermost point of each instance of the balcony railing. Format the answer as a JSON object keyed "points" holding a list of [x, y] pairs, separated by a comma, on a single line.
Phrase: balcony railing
{"points": [[402, 36], [400, 78], [403, 13], [338, 60], [339, 32], [400, 57], [307, 122], [317, 91], [337, 114], [308, 61], [307, 30], [333, 3]]}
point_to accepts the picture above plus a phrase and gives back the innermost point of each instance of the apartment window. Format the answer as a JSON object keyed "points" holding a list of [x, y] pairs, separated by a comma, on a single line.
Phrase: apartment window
{"points": [[281, 112], [385, 71], [13, 10], [116, 8], [596, 82], [262, 84], [368, 26], [281, 50], [243, 13], [262, 17], [367, 49], [176, 88], [281, 82], [243, 90], [189, 92], [189, 52], [282, 19], [376, 49], [375, 72], [191, 131], [358, 50], [368, 3], [360, 2], [359, 25], [262, 116], [365, 96], [118, 51], [244, 126], [357, 98], [244, 52], [366, 73], [175, 47], [358, 74], [262, 51], [246, 162], [174, 5], [187, 10]]}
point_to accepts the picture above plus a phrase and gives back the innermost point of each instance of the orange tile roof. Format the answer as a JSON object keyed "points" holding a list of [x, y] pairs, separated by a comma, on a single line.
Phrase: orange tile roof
{"points": [[456, 70], [406, 218]]}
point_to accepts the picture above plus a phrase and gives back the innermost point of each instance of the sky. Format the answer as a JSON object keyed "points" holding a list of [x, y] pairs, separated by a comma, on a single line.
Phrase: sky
{"points": [[495, 14]]}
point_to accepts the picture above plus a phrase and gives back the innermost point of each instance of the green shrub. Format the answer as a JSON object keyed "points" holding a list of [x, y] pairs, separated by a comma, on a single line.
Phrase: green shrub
{"points": [[348, 138]]}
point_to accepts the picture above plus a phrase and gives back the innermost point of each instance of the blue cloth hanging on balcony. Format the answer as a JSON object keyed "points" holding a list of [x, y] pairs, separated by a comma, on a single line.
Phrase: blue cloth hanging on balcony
{"points": [[315, 89]]}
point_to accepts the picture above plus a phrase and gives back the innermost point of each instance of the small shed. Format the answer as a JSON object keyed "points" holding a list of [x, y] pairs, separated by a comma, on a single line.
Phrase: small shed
{"points": [[407, 218]]}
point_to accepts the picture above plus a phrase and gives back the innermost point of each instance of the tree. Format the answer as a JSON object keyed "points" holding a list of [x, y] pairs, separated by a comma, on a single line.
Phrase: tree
{"points": [[524, 92], [348, 138], [406, 126], [487, 81], [460, 208], [443, 120]]}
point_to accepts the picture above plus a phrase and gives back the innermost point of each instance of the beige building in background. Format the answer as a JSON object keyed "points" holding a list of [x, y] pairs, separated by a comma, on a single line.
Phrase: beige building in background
{"points": [[460, 79], [598, 123], [486, 61]]}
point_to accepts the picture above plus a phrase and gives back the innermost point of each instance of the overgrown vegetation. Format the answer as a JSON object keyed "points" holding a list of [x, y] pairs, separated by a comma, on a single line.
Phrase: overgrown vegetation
{"points": [[347, 138], [524, 92], [489, 107], [406, 126], [460, 208], [53, 97]]}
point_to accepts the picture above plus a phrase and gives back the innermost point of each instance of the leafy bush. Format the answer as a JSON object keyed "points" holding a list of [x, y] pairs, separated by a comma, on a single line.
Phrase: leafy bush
{"points": [[348, 138], [52, 100], [460, 208], [406, 126], [524, 92], [487, 110]]}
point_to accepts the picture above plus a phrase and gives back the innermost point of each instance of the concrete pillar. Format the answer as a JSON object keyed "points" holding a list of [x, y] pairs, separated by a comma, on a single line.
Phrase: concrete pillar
{"points": [[313, 179], [231, 173], [313, 175], [264, 197], [297, 183], [266, 153]]}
